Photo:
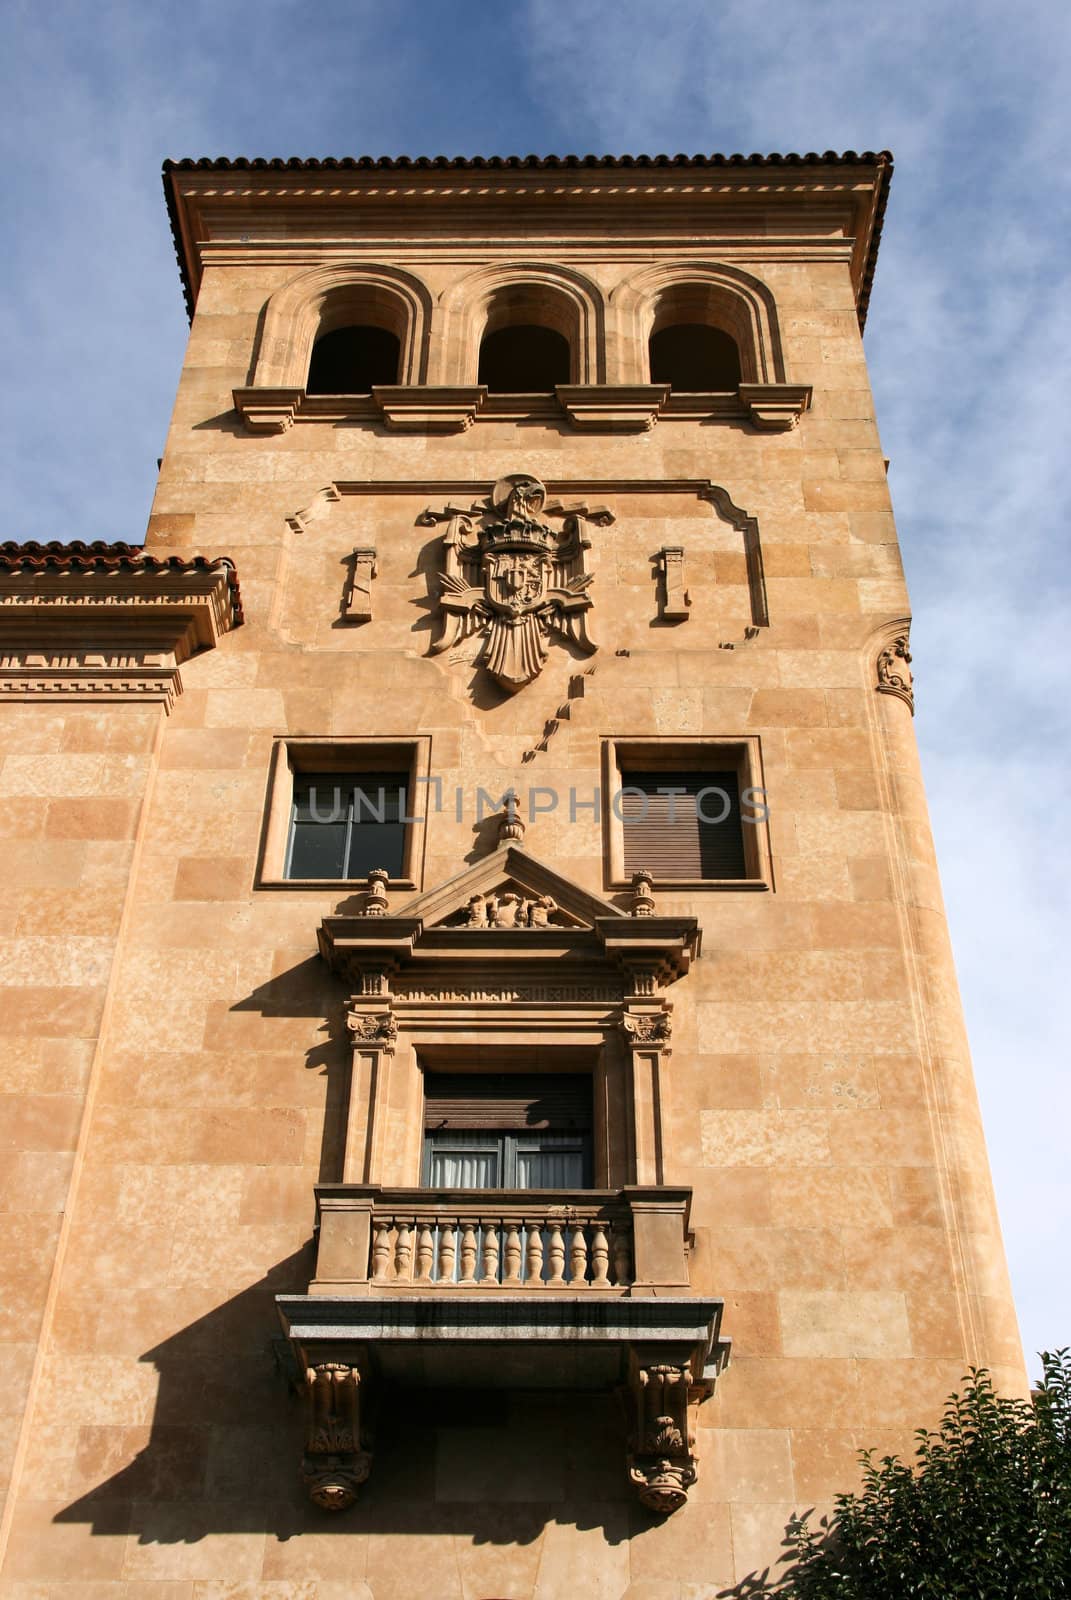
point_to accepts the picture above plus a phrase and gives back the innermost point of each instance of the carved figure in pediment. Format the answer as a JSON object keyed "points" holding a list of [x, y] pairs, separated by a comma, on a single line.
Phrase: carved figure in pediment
{"points": [[507, 909], [513, 578]]}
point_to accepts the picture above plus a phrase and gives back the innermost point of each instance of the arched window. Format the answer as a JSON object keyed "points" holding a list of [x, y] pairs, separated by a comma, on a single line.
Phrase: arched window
{"points": [[353, 359], [529, 339], [693, 356], [524, 359]]}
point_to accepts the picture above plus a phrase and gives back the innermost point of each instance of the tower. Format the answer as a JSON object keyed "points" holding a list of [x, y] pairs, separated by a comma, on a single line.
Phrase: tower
{"points": [[490, 1099]]}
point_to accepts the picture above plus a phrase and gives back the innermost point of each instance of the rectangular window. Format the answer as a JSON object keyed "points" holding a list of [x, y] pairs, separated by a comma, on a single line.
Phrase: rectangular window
{"points": [[344, 824], [338, 808], [688, 812], [507, 1131], [682, 824]]}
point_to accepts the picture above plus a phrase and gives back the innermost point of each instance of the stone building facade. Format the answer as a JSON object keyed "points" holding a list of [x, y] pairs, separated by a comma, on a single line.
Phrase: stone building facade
{"points": [[475, 958]]}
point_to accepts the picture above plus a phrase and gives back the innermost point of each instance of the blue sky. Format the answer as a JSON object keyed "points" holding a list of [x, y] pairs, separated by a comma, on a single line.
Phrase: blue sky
{"points": [[967, 341]]}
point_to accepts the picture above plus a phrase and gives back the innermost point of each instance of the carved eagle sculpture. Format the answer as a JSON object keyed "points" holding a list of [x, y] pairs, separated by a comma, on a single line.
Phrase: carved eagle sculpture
{"points": [[515, 579]]}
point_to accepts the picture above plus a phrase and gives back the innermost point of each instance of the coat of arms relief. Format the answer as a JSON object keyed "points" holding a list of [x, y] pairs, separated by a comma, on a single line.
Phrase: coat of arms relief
{"points": [[511, 577]]}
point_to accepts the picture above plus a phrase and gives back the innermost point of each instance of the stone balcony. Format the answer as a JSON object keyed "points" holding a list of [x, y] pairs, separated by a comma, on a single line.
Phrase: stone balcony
{"points": [[374, 1240], [527, 1289]]}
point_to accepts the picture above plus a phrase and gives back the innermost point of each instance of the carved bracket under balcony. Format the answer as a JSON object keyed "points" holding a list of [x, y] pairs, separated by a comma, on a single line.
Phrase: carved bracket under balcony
{"points": [[663, 1350], [335, 1464], [662, 1463]]}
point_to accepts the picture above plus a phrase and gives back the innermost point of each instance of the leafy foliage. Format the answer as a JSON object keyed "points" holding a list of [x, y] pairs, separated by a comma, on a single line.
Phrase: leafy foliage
{"points": [[985, 1513]]}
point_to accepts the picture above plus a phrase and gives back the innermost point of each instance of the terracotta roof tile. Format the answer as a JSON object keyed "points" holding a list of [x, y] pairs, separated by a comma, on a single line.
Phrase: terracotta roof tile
{"points": [[100, 556], [881, 159]]}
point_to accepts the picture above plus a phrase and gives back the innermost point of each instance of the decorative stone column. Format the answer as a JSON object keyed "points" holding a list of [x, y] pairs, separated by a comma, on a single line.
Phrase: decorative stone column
{"points": [[335, 1464], [372, 1033], [647, 1027]]}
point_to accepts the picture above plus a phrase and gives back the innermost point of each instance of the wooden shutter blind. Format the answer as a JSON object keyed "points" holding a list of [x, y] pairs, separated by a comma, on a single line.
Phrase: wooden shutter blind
{"points": [[507, 1100], [689, 846]]}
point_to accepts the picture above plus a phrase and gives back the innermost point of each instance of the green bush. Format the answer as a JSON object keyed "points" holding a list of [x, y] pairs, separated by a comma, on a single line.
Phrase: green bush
{"points": [[984, 1514]]}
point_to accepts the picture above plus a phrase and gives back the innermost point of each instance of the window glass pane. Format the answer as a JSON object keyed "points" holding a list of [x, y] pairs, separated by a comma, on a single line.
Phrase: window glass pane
{"points": [[377, 838], [550, 1169], [551, 1161], [317, 850], [458, 1168], [366, 809]]}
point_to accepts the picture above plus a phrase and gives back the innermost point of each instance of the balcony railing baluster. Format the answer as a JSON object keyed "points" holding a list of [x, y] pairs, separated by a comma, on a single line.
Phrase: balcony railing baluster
{"points": [[489, 1265]]}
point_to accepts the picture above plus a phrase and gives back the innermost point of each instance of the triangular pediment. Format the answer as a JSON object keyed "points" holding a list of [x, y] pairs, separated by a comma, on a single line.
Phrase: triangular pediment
{"points": [[506, 909], [509, 888]]}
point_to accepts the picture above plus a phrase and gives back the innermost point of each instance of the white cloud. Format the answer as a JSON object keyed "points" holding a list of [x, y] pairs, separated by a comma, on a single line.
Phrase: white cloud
{"points": [[967, 344]]}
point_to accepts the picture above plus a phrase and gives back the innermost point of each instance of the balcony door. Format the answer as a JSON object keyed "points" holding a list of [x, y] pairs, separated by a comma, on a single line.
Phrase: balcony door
{"points": [[507, 1131]]}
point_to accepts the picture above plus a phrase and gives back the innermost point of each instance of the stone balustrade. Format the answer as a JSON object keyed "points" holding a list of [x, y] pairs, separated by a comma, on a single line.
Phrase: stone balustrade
{"points": [[374, 1240]]}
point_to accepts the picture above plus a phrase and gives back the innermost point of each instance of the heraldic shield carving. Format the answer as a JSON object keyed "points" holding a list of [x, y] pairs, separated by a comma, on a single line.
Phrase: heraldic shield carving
{"points": [[513, 578]]}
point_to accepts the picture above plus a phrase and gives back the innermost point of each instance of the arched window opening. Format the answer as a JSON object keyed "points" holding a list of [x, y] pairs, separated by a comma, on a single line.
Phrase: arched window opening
{"points": [[351, 360], [692, 356], [524, 359]]}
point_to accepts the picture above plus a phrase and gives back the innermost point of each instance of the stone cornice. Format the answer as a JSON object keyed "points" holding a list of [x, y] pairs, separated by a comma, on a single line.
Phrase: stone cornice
{"points": [[107, 622], [712, 195]]}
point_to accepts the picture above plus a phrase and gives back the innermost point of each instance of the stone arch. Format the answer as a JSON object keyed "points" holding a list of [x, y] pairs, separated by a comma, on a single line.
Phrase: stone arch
{"points": [[553, 296], [329, 297], [724, 297]]}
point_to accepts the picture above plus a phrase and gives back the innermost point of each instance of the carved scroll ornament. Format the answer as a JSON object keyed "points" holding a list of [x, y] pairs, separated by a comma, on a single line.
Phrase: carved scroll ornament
{"points": [[647, 1029], [894, 671], [512, 578]]}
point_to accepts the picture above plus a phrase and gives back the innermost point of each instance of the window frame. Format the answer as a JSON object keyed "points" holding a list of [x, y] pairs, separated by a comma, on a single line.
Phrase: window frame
{"points": [[334, 755], [719, 753]]}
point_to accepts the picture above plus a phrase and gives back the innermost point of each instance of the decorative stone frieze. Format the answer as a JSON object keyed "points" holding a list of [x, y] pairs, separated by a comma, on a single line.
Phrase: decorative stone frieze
{"points": [[893, 668], [513, 579], [357, 596], [335, 1464]]}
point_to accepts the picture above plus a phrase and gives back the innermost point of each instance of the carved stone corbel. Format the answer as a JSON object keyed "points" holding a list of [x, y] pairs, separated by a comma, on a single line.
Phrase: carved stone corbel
{"points": [[267, 410], [676, 601], [775, 407], [893, 669], [357, 596], [661, 1458], [335, 1463]]}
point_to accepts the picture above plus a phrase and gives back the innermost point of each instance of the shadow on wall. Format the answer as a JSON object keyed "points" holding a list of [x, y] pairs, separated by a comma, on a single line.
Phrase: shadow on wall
{"points": [[225, 1444]]}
